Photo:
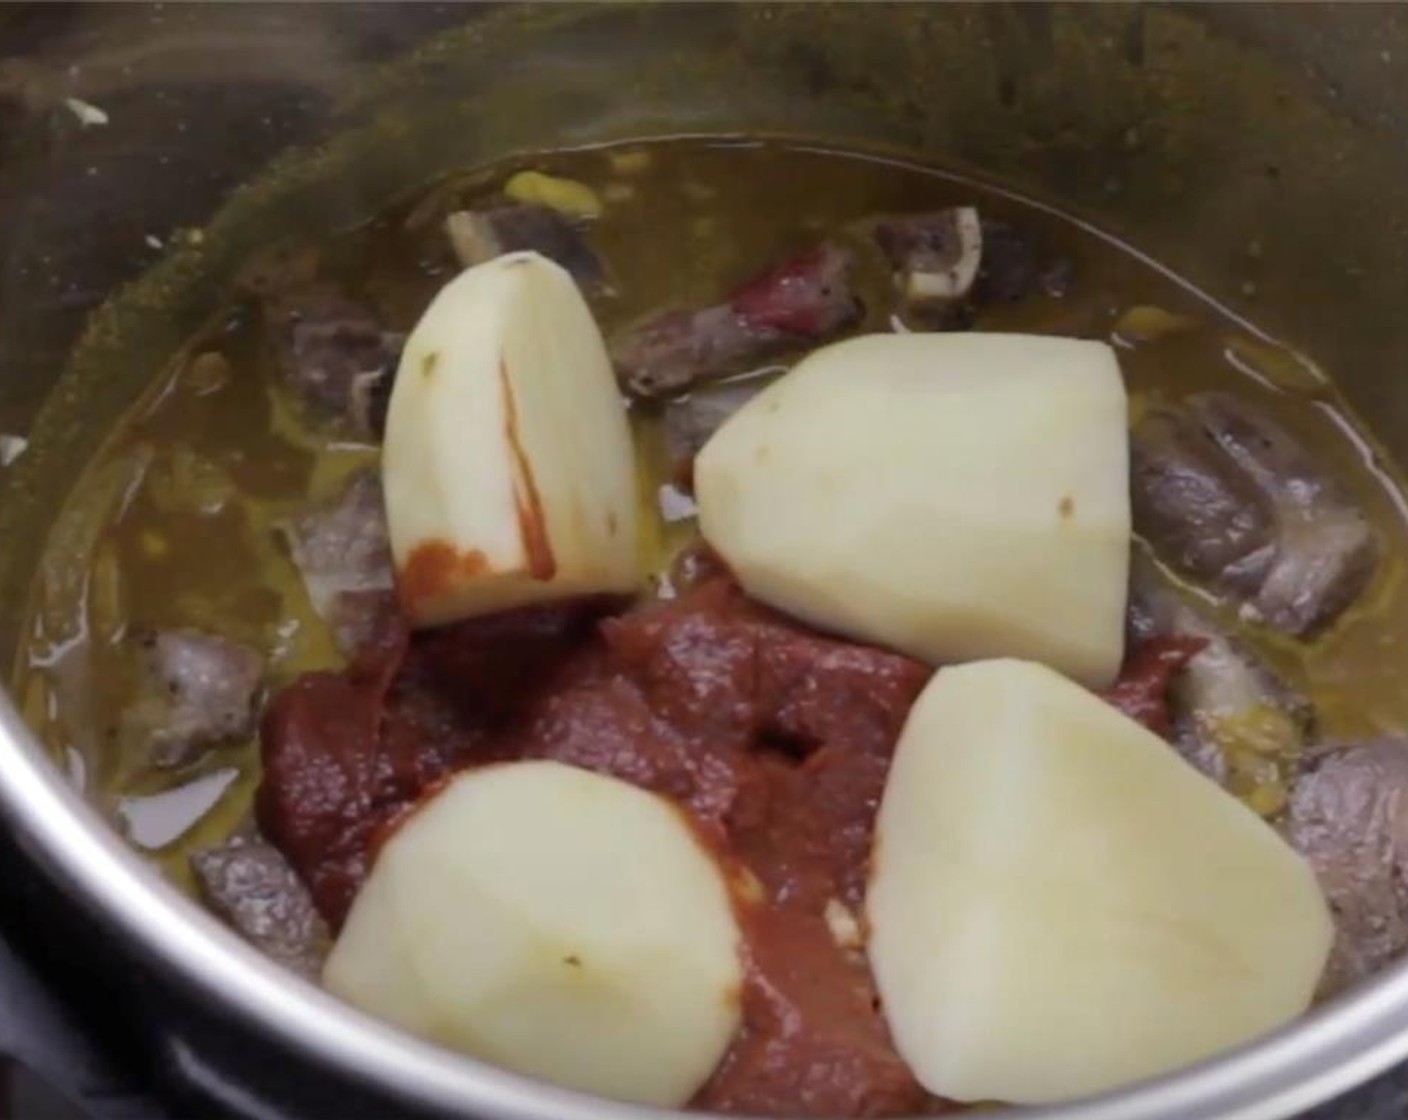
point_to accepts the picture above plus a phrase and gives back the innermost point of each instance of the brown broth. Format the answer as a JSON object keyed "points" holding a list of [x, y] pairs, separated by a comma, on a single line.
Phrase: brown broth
{"points": [[172, 523]]}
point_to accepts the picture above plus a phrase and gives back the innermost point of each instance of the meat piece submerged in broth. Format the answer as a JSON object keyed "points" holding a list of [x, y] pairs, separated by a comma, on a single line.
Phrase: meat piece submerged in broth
{"points": [[481, 235], [1326, 552], [1012, 269], [950, 264], [803, 300], [335, 356], [1227, 497], [1203, 515], [946, 264], [341, 550], [195, 690], [936, 256], [1349, 817], [1234, 717], [249, 884], [691, 420]]}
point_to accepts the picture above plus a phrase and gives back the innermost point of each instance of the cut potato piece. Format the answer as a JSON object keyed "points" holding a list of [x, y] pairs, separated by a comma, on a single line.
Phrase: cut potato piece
{"points": [[1059, 905], [953, 496], [508, 467], [556, 922]]}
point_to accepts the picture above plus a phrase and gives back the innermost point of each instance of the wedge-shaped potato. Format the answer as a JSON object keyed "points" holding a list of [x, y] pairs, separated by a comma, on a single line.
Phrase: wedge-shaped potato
{"points": [[507, 465], [954, 496], [1059, 905], [555, 922]]}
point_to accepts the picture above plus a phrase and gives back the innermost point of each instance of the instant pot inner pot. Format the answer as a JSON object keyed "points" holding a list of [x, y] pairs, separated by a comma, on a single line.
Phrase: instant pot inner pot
{"points": [[146, 152]]}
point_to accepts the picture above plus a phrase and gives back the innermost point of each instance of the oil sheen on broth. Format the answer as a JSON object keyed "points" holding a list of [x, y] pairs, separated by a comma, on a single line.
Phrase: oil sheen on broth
{"points": [[173, 524]]}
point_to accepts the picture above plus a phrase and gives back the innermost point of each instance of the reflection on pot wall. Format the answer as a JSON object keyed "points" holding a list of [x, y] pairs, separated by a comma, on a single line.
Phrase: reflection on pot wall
{"points": [[1247, 171]]}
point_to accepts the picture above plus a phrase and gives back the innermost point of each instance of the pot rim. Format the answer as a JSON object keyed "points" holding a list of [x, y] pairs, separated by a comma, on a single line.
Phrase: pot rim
{"points": [[1333, 1050]]}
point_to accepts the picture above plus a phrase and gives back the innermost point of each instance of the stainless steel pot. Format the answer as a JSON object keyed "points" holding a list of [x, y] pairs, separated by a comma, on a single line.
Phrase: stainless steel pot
{"points": [[1258, 150]]}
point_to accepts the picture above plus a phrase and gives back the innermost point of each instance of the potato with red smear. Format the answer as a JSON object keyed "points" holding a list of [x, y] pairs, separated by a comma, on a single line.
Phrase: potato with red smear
{"points": [[508, 466]]}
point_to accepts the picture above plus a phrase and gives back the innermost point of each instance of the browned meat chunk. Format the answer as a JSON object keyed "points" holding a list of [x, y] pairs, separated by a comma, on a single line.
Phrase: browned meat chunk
{"points": [[950, 264], [800, 301], [1204, 516], [1349, 818], [341, 550], [691, 420], [194, 691], [1326, 551], [935, 257], [1012, 269], [1234, 717], [335, 356], [250, 886], [1227, 497], [481, 235]]}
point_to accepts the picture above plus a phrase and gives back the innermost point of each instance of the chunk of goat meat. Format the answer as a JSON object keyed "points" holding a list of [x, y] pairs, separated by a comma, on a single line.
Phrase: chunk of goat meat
{"points": [[477, 236], [950, 264], [1011, 268], [1202, 515], [1227, 497], [341, 550], [1327, 552], [1349, 818], [935, 257], [195, 690], [249, 885], [689, 421], [335, 356], [1231, 711], [800, 301]]}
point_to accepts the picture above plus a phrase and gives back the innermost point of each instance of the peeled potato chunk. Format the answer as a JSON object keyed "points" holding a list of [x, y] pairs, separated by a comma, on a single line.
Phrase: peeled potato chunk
{"points": [[1059, 905], [507, 466], [953, 496], [556, 922]]}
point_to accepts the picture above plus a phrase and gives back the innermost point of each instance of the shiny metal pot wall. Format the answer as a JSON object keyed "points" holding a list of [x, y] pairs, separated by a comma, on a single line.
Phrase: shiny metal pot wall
{"points": [[1258, 150]]}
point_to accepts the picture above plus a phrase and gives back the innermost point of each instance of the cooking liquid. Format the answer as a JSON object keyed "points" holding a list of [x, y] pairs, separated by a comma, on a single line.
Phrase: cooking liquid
{"points": [[172, 523]]}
